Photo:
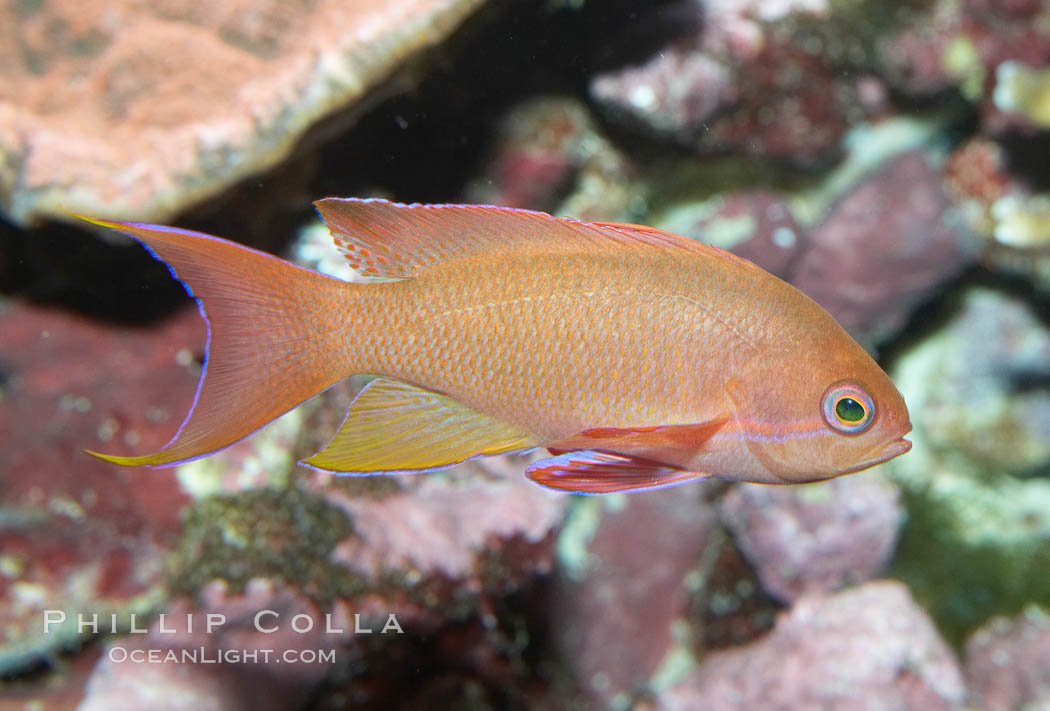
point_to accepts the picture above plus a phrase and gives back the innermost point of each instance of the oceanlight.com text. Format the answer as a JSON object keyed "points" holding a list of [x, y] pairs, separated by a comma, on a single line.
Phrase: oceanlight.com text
{"points": [[201, 655]]}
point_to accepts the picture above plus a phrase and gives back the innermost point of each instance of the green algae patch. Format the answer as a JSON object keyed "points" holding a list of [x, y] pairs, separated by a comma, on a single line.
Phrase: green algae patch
{"points": [[977, 540], [962, 60], [285, 534], [964, 576]]}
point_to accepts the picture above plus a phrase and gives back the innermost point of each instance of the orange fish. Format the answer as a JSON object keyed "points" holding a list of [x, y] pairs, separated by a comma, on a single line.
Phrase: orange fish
{"points": [[638, 358]]}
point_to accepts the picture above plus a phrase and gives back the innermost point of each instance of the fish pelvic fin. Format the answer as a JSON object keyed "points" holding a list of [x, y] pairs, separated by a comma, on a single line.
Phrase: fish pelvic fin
{"points": [[271, 337], [607, 460], [589, 473], [396, 427], [669, 443]]}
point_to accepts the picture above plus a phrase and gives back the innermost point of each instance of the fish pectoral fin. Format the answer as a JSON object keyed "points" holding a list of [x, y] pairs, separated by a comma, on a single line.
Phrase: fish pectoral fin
{"points": [[590, 472], [661, 443], [396, 427]]}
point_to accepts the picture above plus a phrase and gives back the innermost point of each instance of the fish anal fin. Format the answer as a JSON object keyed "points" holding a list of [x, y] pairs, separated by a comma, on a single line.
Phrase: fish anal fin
{"points": [[661, 443], [592, 472], [396, 427]]}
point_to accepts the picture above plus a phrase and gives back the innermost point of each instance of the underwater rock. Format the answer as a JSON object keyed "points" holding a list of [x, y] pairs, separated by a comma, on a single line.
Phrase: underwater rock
{"points": [[931, 53], [885, 247], [629, 566], [815, 538], [870, 241], [777, 239], [728, 605], [977, 539], [757, 225], [674, 94], [866, 647], [773, 99], [340, 537], [419, 527], [440, 552], [976, 46], [136, 111], [916, 59], [1000, 207], [316, 249], [266, 649], [550, 156], [1008, 663], [779, 80], [988, 404], [76, 533]]}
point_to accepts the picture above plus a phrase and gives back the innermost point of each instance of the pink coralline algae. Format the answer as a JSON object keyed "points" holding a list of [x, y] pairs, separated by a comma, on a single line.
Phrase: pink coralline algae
{"points": [[616, 612], [548, 148], [345, 569], [236, 652], [675, 93], [94, 541], [780, 80], [424, 530], [757, 225], [781, 101], [964, 45], [889, 242], [417, 525], [815, 539], [883, 247], [869, 647], [1008, 663], [537, 154]]}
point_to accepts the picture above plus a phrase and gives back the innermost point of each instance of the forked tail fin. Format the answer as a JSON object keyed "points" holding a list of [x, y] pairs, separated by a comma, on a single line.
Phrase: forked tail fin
{"points": [[271, 327]]}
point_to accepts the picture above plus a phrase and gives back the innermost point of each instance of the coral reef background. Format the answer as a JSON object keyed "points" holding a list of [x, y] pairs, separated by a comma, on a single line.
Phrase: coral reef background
{"points": [[888, 158]]}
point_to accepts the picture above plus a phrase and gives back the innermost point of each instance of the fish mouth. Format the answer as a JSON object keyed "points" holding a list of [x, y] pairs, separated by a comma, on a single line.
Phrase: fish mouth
{"points": [[895, 449], [884, 453]]}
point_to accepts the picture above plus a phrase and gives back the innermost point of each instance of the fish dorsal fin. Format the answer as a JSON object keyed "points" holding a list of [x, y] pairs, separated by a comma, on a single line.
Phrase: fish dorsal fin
{"points": [[395, 427], [389, 240], [589, 472], [651, 235]]}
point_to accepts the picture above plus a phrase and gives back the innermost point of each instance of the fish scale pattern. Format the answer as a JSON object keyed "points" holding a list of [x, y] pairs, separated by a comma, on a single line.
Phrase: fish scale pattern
{"points": [[554, 343]]}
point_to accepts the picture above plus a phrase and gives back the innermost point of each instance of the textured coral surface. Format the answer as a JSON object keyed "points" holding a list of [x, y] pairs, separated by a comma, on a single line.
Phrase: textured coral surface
{"points": [[137, 110]]}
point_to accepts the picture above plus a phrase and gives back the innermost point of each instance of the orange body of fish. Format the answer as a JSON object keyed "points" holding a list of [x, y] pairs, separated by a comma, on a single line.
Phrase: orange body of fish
{"points": [[639, 358]]}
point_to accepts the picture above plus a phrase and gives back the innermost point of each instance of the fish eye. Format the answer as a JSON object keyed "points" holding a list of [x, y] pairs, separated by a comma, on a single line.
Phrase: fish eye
{"points": [[848, 408]]}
